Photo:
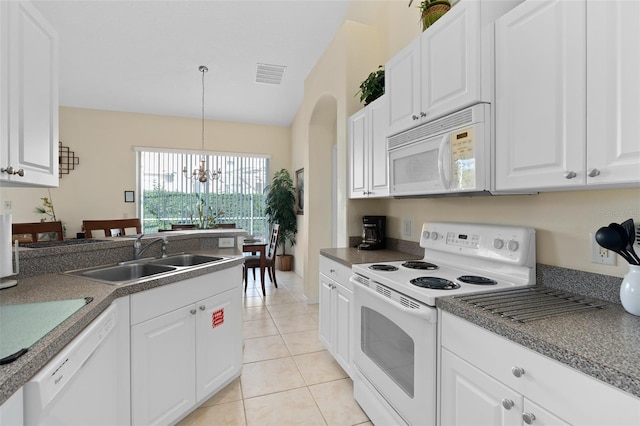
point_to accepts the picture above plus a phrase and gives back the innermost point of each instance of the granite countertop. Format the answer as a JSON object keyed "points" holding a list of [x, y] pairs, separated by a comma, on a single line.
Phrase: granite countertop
{"points": [[56, 286], [351, 256], [602, 343]]}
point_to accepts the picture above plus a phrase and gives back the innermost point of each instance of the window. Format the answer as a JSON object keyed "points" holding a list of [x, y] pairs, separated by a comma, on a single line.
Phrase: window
{"points": [[168, 197]]}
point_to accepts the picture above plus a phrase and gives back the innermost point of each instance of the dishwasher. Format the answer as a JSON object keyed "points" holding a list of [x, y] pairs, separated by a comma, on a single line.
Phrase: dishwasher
{"points": [[82, 384]]}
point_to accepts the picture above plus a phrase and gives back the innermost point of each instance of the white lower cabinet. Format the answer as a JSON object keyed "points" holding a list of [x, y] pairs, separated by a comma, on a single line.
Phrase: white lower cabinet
{"points": [[489, 380], [336, 323], [12, 410], [181, 356]]}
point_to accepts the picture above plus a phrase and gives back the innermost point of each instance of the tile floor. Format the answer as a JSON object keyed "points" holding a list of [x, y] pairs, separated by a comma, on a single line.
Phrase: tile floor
{"points": [[288, 377]]}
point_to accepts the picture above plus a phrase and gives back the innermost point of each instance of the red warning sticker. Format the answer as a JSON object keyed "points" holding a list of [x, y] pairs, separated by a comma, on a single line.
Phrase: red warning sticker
{"points": [[217, 318]]}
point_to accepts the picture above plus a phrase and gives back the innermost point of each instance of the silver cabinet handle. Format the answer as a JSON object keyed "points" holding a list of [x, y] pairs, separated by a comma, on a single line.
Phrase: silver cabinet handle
{"points": [[202, 307], [517, 371], [507, 404], [333, 271], [415, 117], [192, 311], [11, 171], [423, 114], [528, 418], [593, 172], [570, 174]]}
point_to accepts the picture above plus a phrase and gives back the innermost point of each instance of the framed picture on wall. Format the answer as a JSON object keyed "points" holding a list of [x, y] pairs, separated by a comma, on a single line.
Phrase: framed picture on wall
{"points": [[300, 191], [129, 197]]}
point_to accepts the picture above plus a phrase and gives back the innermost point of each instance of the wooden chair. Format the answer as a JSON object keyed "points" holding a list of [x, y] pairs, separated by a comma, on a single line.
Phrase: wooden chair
{"points": [[253, 262], [182, 226], [226, 225], [36, 228], [118, 225]]}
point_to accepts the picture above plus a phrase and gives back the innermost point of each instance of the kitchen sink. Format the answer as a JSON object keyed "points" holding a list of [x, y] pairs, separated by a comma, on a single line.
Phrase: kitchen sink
{"points": [[124, 273], [185, 259], [135, 270]]}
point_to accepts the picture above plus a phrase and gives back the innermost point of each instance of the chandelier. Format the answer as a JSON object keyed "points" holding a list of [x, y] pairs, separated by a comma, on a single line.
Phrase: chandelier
{"points": [[202, 174]]}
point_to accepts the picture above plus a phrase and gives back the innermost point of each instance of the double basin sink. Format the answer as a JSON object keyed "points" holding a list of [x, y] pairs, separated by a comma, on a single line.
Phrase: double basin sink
{"points": [[128, 272]]}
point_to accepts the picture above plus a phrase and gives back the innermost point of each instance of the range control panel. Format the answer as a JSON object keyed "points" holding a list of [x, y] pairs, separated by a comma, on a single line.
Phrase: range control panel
{"points": [[509, 244]]}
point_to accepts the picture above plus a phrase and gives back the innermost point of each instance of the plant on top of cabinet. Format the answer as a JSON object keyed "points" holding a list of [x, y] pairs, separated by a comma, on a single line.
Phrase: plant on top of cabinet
{"points": [[432, 10], [372, 87]]}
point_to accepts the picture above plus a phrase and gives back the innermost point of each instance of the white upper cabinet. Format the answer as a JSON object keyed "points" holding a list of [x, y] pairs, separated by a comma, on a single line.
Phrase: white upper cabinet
{"points": [[29, 97], [447, 68], [369, 172], [613, 93], [551, 133]]}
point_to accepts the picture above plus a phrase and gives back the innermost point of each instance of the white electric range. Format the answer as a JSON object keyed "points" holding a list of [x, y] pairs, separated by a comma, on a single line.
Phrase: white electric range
{"points": [[395, 319]]}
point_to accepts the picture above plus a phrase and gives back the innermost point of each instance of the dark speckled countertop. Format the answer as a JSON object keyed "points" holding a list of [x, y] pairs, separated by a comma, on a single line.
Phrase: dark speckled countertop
{"points": [[603, 343], [56, 286]]}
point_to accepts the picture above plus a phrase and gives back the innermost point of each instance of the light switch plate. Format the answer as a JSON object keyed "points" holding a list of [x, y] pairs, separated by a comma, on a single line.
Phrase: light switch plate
{"points": [[225, 242], [406, 227]]}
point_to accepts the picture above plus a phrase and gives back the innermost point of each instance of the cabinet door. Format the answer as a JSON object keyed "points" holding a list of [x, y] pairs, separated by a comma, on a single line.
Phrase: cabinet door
{"points": [[378, 164], [163, 368], [451, 61], [471, 397], [540, 96], [327, 312], [402, 85], [33, 97], [535, 414], [613, 92], [358, 140], [344, 331], [218, 341]]}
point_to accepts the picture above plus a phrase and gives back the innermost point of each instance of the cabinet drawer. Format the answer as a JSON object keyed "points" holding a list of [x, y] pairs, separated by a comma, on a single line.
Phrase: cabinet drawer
{"points": [[564, 391], [160, 300], [336, 271]]}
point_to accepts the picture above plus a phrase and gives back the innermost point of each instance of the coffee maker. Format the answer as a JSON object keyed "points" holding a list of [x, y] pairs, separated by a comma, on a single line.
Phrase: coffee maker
{"points": [[372, 232]]}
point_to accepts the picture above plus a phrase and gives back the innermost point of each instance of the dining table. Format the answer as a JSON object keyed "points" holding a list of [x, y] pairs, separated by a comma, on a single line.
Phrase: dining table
{"points": [[254, 246]]}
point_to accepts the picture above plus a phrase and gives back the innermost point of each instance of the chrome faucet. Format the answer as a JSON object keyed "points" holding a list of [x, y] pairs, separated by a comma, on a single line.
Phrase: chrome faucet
{"points": [[138, 249]]}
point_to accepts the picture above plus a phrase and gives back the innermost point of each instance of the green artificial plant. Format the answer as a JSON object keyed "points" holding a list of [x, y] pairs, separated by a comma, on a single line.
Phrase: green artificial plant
{"points": [[372, 87], [280, 207]]}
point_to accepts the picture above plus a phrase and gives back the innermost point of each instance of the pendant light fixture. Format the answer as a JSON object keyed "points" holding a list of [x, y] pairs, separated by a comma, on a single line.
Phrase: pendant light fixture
{"points": [[202, 174]]}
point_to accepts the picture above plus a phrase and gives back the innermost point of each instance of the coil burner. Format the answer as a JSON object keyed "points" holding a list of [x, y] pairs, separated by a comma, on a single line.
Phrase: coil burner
{"points": [[475, 279], [380, 267], [434, 283], [419, 264]]}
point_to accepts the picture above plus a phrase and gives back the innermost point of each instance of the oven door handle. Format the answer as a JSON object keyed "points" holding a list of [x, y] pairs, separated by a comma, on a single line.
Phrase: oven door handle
{"points": [[426, 313]]}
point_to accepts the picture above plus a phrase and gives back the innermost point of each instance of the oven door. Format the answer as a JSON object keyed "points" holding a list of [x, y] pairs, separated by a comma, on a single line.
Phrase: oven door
{"points": [[394, 354]]}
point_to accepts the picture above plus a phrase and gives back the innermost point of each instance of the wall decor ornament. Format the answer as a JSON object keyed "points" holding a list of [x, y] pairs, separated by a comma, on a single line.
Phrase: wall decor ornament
{"points": [[67, 160]]}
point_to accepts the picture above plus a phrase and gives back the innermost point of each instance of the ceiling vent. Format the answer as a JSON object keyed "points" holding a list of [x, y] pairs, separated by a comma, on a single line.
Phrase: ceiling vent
{"points": [[270, 74]]}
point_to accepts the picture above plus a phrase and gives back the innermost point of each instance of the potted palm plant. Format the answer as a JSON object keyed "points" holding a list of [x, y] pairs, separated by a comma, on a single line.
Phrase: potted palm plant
{"points": [[281, 209], [432, 10]]}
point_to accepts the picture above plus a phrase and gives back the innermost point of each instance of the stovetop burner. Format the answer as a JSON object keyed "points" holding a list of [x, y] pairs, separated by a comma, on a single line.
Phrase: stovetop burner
{"points": [[434, 283], [419, 264], [381, 267], [474, 279]]}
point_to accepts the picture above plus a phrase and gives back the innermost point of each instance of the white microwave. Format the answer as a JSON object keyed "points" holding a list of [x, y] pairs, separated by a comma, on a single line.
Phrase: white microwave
{"points": [[448, 156]]}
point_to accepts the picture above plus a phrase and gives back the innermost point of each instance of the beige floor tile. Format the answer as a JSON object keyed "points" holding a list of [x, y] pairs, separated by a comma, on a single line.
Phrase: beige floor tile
{"points": [[259, 328], [264, 377], [279, 297], [231, 413], [316, 317], [294, 407], [263, 348], [252, 301], [313, 307], [255, 313], [303, 342], [288, 310], [229, 393], [295, 323], [319, 367], [337, 404]]}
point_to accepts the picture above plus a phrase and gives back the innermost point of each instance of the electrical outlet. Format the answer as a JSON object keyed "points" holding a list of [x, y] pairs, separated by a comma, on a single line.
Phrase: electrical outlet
{"points": [[600, 254], [406, 227], [7, 205]]}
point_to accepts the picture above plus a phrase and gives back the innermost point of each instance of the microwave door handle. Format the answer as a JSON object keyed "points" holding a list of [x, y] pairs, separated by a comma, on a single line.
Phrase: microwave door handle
{"points": [[444, 179]]}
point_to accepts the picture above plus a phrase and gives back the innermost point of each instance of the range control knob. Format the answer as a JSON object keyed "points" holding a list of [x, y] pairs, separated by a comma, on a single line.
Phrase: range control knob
{"points": [[498, 243], [513, 245], [434, 235], [425, 235]]}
